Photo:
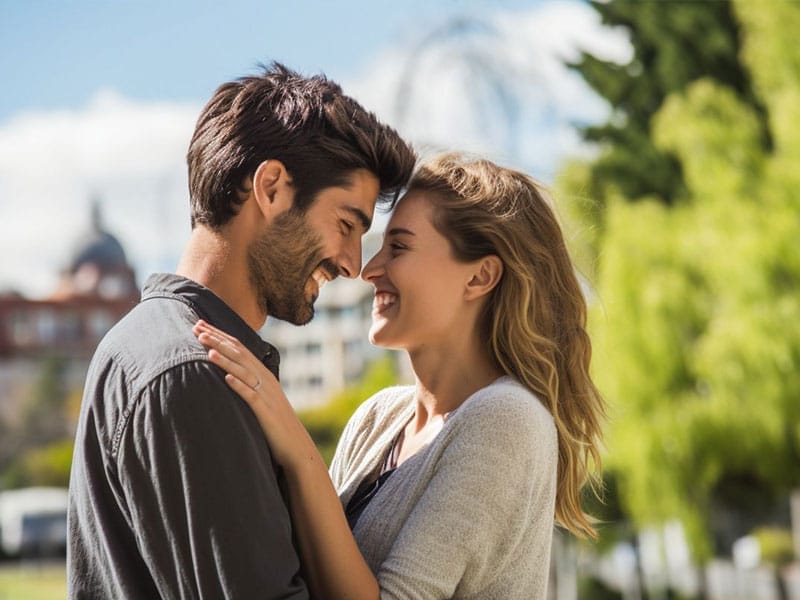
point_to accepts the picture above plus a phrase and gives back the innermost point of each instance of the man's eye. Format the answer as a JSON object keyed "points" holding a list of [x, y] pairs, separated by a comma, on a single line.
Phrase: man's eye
{"points": [[347, 227]]}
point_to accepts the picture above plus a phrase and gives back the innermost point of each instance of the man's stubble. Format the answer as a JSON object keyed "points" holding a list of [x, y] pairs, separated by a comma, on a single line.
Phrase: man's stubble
{"points": [[280, 263]]}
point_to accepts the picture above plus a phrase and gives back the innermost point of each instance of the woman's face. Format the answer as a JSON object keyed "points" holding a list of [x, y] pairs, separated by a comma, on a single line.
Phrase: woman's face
{"points": [[419, 286]]}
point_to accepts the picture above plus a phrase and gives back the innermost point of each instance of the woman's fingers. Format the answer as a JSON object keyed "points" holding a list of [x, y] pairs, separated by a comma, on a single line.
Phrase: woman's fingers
{"points": [[201, 326], [220, 356], [238, 362], [228, 349], [244, 390], [231, 345]]}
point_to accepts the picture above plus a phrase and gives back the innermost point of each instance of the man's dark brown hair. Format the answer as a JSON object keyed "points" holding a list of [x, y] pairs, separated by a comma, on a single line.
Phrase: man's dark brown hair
{"points": [[317, 132]]}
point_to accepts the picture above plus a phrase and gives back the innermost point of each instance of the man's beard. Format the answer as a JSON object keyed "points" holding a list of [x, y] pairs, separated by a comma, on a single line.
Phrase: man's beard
{"points": [[280, 262]]}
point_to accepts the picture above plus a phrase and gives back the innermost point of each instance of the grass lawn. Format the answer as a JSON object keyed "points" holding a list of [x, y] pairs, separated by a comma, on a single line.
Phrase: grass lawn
{"points": [[32, 581]]}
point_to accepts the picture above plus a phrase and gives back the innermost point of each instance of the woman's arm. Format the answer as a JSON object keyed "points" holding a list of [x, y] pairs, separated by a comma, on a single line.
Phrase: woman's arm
{"points": [[332, 561]]}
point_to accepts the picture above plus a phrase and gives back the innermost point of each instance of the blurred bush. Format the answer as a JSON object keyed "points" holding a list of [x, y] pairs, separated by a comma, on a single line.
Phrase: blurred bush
{"points": [[47, 465], [37, 450], [326, 423], [775, 545]]}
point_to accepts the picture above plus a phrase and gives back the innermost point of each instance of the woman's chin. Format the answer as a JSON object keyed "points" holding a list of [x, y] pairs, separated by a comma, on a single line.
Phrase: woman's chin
{"points": [[378, 336], [375, 335]]}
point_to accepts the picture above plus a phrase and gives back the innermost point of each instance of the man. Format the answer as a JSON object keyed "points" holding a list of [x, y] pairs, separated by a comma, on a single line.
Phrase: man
{"points": [[173, 492]]}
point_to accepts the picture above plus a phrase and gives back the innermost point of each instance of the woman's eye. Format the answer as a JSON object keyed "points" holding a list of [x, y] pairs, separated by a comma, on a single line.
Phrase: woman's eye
{"points": [[396, 247]]}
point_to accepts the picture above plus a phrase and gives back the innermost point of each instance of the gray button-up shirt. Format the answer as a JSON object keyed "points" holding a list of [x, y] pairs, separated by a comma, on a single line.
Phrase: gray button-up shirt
{"points": [[173, 492]]}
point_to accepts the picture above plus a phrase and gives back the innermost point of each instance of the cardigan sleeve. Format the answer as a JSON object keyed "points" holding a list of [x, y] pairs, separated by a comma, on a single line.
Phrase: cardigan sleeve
{"points": [[494, 477], [359, 449], [351, 441]]}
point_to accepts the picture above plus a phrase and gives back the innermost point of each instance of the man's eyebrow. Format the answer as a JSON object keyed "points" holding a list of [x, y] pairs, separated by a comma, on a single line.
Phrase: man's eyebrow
{"points": [[399, 230], [366, 222]]}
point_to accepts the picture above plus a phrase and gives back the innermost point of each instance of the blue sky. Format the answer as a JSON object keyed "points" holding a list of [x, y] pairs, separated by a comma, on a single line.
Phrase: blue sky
{"points": [[99, 99], [56, 54]]}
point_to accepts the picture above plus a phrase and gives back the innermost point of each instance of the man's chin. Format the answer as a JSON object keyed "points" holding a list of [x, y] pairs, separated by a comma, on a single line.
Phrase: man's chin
{"points": [[305, 318], [301, 316]]}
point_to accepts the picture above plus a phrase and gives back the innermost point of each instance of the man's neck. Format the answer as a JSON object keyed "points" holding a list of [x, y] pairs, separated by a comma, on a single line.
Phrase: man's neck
{"points": [[212, 260]]}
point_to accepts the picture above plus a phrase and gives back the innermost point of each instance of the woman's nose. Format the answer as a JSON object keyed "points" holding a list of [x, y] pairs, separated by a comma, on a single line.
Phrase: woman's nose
{"points": [[372, 269]]}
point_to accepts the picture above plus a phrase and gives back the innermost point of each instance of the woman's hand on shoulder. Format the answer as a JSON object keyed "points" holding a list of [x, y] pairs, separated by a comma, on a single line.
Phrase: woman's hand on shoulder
{"points": [[289, 441]]}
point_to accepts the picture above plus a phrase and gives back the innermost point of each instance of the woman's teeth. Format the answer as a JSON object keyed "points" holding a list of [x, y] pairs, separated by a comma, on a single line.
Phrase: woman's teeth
{"points": [[384, 299]]}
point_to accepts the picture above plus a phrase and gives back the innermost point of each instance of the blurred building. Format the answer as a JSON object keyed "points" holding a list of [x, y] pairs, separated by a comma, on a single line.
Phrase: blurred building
{"points": [[97, 287]]}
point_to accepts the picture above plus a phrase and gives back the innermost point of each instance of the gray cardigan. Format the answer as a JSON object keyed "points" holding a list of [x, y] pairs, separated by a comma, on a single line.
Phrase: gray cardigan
{"points": [[471, 515]]}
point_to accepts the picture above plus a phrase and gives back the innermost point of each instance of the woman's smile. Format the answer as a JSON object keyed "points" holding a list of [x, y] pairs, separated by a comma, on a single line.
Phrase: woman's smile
{"points": [[383, 301]]}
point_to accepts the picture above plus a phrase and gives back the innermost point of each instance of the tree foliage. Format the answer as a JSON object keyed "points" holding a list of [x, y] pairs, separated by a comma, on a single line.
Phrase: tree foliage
{"points": [[697, 329], [674, 43]]}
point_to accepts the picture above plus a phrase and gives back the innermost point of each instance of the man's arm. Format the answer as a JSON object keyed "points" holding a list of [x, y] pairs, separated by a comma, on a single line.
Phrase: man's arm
{"points": [[202, 492]]}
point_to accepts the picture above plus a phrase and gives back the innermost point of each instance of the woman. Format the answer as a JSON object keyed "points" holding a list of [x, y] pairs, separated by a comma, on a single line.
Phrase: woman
{"points": [[452, 485]]}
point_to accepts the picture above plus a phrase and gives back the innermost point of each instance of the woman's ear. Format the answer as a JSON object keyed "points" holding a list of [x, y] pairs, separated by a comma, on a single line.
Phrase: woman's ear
{"points": [[272, 188], [487, 274]]}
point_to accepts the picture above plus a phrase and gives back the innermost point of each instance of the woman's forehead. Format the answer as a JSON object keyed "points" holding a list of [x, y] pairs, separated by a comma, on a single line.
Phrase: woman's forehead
{"points": [[413, 207]]}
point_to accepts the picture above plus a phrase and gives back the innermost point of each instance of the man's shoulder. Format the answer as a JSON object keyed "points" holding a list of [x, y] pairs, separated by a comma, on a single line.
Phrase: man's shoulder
{"points": [[155, 336], [150, 348]]}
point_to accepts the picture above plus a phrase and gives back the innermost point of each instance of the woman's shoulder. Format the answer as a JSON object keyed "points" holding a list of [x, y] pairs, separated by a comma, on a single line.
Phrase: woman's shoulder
{"points": [[383, 406], [507, 406], [381, 409], [367, 432]]}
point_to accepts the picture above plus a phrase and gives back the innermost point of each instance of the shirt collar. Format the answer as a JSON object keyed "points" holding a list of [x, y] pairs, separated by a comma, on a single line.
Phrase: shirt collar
{"points": [[213, 309]]}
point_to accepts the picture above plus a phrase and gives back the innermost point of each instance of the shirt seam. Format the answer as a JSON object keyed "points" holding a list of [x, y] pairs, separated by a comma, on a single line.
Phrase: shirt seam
{"points": [[119, 430]]}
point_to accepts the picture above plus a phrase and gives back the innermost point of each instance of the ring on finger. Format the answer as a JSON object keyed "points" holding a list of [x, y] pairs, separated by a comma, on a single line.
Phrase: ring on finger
{"points": [[257, 385]]}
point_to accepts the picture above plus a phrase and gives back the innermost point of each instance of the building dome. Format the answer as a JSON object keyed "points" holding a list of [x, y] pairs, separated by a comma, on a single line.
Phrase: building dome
{"points": [[98, 248], [97, 267]]}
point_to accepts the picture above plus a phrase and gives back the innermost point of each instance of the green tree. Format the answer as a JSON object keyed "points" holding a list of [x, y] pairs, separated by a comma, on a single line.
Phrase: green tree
{"points": [[698, 325], [674, 43]]}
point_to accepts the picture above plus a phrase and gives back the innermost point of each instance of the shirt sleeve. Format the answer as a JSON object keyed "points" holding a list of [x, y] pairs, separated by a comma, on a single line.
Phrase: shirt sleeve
{"points": [[202, 493], [496, 473], [342, 458]]}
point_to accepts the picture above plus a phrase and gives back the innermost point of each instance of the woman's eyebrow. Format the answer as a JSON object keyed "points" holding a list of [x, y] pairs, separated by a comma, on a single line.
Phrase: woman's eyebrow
{"points": [[399, 231]]}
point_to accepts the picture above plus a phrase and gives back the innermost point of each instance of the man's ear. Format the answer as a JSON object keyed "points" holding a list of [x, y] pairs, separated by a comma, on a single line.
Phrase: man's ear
{"points": [[487, 274], [272, 188]]}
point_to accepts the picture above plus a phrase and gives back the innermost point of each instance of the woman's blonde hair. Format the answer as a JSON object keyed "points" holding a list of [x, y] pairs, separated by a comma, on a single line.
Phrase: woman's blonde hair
{"points": [[535, 318]]}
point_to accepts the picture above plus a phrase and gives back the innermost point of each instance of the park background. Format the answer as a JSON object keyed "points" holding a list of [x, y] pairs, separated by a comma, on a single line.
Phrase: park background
{"points": [[669, 133]]}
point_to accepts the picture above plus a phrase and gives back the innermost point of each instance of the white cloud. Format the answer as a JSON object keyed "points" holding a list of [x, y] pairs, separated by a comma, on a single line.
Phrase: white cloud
{"points": [[496, 85], [131, 154]]}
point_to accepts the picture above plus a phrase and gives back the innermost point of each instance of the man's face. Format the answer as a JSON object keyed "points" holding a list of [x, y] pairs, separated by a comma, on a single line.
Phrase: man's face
{"points": [[299, 253]]}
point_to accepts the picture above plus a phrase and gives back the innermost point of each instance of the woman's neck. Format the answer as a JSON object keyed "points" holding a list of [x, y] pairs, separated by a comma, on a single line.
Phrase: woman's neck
{"points": [[446, 376]]}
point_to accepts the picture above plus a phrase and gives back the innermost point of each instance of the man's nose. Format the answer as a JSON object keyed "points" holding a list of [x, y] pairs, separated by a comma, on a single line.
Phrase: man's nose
{"points": [[350, 263]]}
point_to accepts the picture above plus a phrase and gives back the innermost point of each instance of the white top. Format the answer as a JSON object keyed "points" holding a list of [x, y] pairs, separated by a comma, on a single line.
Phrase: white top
{"points": [[470, 515]]}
